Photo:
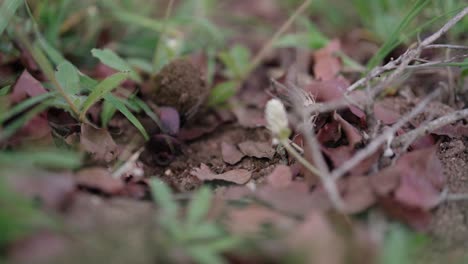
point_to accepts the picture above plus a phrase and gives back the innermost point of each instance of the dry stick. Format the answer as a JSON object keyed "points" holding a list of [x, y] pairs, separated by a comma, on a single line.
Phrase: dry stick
{"points": [[429, 127], [400, 63], [268, 46], [375, 144], [446, 46], [410, 54]]}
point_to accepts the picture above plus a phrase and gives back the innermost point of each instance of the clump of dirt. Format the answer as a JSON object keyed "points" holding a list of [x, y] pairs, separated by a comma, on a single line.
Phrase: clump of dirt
{"points": [[180, 85]]}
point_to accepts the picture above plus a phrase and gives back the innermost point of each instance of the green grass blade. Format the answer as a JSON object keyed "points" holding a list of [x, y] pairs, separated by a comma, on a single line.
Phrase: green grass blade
{"points": [[222, 92], [111, 59], [131, 117], [149, 112], [107, 112], [7, 11], [199, 207], [24, 105], [394, 38], [163, 197], [19, 122], [51, 158], [103, 88]]}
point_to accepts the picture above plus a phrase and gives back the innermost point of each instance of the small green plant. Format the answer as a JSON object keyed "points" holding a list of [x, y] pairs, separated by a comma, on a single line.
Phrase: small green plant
{"points": [[192, 236]]}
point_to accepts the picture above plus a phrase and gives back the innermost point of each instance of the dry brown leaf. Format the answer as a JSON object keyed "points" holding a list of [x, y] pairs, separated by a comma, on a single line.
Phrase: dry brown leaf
{"points": [[327, 65], [99, 179], [257, 149], [99, 143], [280, 177], [230, 153], [238, 176]]}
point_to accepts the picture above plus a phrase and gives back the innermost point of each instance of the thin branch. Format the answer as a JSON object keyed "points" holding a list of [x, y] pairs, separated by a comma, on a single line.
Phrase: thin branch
{"points": [[446, 46], [430, 127], [375, 144]]}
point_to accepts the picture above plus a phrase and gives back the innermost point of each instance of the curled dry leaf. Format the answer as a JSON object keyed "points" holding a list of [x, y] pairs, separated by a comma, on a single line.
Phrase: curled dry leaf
{"points": [[238, 176], [230, 153], [352, 134], [384, 113], [99, 143], [257, 149], [99, 179]]}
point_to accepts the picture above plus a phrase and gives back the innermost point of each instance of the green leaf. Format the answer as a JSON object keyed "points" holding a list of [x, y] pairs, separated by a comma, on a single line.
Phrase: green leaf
{"points": [[199, 206], [395, 36], [25, 105], [236, 61], [103, 88], [107, 112], [203, 255], [7, 11], [163, 197], [222, 92], [111, 59], [149, 112], [204, 231], [19, 122], [5, 90], [49, 158], [68, 77], [124, 110]]}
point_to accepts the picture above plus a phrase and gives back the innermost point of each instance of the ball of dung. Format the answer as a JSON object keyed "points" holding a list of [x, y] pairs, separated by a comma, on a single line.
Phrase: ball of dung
{"points": [[179, 84]]}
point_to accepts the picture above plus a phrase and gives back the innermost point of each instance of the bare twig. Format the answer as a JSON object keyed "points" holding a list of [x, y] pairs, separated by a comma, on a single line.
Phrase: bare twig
{"points": [[375, 144], [446, 46], [429, 127]]}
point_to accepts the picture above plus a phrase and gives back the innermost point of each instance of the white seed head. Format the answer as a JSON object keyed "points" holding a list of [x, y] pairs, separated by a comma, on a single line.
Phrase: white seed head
{"points": [[277, 119]]}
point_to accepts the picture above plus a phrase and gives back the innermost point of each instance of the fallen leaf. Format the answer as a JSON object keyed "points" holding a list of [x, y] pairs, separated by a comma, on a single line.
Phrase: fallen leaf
{"points": [[327, 65], [329, 133], [257, 149], [97, 178], [324, 91], [385, 181], [352, 134], [280, 177], [249, 117], [238, 176], [318, 240], [26, 86], [417, 218], [230, 153], [358, 194], [99, 143], [341, 154], [251, 219], [40, 247], [383, 113], [53, 190], [421, 179]]}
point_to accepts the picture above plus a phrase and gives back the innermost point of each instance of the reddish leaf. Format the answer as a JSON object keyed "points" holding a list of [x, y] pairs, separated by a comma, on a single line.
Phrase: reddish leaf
{"points": [[26, 86], [280, 177], [341, 154], [99, 143], [456, 130], [416, 217], [329, 133], [99, 179], [358, 195], [422, 179], [251, 219], [238, 176], [324, 91], [383, 113], [35, 132], [249, 117], [170, 119], [230, 153], [385, 181], [352, 134], [257, 149], [53, 190], [327, 65]]}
